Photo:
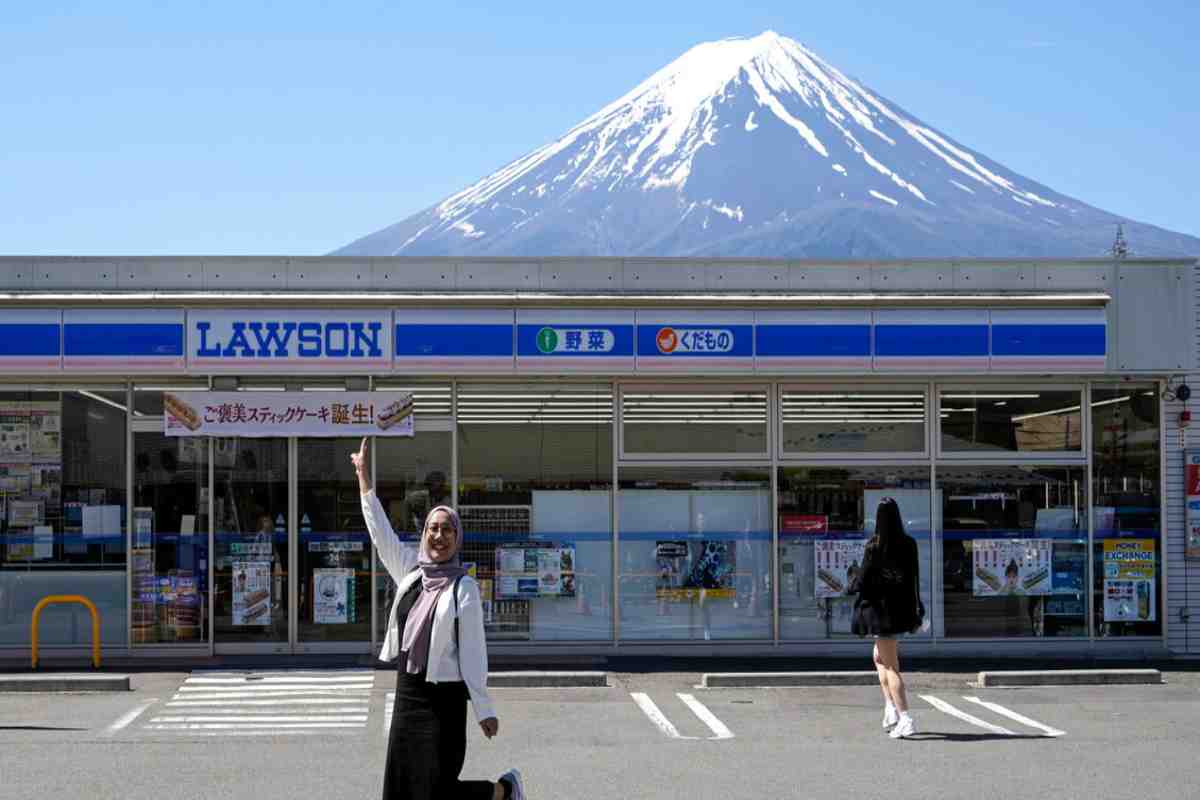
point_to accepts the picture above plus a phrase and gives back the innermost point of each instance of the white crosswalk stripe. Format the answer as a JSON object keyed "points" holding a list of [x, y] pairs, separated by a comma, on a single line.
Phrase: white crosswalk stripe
{"points": [[995, 708], [389, 706], [268, 703]]}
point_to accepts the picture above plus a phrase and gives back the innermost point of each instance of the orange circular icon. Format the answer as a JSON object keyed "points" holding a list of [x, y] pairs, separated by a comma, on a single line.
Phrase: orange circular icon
{"points": [[667, 340]]}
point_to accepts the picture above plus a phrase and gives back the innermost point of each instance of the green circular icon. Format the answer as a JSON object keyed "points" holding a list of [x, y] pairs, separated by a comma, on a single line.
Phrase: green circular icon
{"points": [[547, 340]]}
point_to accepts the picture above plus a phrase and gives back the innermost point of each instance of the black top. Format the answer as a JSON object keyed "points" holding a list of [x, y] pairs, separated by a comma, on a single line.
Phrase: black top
{"points": [[888, 598]]}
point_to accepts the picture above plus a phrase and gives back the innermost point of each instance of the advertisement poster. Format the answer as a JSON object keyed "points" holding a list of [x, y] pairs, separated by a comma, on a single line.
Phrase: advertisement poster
{"points": [[803, 524], [1129, 580], [287, 414], [45, 430], [333, 596], [685, 568], [837, 562], [252, 593], [1192, 488], [535, 571], [1011, 566]]}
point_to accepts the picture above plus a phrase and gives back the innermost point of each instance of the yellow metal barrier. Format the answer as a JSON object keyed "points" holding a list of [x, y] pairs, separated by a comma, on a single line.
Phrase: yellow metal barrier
{"points": [[67, 598]]}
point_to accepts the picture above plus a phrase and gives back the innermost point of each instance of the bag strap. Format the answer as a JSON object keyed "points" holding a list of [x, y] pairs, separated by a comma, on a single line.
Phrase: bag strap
{"points": [[454, 589]]}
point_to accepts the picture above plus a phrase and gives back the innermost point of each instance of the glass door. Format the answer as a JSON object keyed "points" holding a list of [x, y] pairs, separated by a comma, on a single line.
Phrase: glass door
{"points": [[333, 554], [251, 597], [168, 551]]}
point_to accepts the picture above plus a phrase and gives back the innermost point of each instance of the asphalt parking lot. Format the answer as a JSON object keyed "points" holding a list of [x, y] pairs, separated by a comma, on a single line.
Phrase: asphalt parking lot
{"points": [[288, 734]]}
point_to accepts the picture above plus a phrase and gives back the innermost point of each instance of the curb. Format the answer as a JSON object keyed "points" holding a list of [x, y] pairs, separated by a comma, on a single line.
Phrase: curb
{"points": [[64, 683], [544, 680], [1068, 677], [759, 680]]}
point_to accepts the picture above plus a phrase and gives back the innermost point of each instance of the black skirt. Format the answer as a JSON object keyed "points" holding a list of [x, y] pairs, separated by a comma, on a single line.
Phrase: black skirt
{"points": [[428, 742]]}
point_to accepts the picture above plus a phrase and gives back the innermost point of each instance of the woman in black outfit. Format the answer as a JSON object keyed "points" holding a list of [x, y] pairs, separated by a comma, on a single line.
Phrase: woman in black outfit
{"points": [[889, 604], [435, 635]]}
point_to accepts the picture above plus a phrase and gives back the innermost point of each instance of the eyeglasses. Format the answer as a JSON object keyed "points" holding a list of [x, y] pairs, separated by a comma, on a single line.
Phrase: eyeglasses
{"points": [[436, 528]]}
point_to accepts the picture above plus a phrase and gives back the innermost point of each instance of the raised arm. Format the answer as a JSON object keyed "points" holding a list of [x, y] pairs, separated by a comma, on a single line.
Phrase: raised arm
{"points": [[397, 559]]}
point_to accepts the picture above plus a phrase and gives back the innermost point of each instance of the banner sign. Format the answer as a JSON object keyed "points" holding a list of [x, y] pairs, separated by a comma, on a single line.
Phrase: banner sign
{"points": [[683, 341], [1069, 339], [815, 340], [31, 339], [1191, 460], [122, 340], [1011, 566], [447, 341], [583, 340], [258, 414], [838, 563], [454, 340], [305, 341], [922, 340], [1129, 580]]}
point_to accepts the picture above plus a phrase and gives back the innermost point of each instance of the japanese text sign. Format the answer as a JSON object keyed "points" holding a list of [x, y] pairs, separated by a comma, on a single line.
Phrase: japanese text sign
{"points": [[288, 414]]}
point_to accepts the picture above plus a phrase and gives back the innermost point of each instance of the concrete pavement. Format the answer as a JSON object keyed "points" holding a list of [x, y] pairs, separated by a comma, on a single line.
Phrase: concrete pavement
{"points": [[1094, 742]]}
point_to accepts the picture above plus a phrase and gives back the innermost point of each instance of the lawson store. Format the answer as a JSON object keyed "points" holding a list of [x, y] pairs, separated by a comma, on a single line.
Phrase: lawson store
{"points": [[656, 455]]}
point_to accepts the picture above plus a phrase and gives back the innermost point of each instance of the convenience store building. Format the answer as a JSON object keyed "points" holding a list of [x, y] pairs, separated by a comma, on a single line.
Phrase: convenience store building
{"points": [[650, 455]]}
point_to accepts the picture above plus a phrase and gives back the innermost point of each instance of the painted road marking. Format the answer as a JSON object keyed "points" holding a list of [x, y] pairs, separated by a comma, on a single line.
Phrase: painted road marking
{"points": [[125, 720], [656, 716], [254, 703], [1013, 715], [709, 718], [946, 708]]}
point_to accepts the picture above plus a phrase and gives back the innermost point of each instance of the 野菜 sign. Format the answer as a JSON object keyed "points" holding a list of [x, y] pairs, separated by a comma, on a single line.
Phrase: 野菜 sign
{"points": [[288, 414]]}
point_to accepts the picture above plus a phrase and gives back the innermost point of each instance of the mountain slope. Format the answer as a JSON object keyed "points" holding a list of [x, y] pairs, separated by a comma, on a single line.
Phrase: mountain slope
{"points": [[757, 147]]}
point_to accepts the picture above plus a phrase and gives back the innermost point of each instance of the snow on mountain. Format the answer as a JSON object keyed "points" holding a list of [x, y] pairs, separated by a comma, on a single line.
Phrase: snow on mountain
{"points": [[758, 147]]}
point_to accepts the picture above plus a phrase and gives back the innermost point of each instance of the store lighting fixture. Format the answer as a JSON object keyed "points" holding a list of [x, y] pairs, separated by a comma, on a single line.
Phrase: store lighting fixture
{"points": [[990, 396], [102, 399], [1070, 409]]}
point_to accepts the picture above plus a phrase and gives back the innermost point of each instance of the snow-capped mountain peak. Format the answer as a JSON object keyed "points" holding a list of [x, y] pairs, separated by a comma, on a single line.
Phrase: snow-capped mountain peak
{"points": [[733, 148]]}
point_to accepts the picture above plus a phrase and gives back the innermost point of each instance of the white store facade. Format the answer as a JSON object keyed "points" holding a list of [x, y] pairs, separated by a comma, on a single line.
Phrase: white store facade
{"points": [[650, 455]]}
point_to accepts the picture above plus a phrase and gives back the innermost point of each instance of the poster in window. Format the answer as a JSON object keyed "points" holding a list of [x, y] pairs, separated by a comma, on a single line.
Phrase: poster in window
{"points": [[1011, 567], [333, 596], [837, 564], [252, 593], [688, 567], [1129, 566], [529, 571], [45, 430]]}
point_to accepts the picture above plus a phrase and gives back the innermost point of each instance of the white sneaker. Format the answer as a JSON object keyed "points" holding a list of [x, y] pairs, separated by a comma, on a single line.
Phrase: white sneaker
{"points": [[904, 728], [514, 779], [890, 716]]}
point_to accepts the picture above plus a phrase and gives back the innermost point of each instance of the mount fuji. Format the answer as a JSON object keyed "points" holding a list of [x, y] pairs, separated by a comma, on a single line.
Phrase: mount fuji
{"points": [[758, 147]]}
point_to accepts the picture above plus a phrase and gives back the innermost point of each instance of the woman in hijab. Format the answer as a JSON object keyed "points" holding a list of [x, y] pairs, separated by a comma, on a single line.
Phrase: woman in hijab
{"points": [[435, 636], [889, 604]]}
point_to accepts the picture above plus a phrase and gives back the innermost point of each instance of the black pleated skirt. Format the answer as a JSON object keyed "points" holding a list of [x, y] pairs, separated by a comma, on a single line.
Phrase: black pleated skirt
{"points": [[428, 743]]}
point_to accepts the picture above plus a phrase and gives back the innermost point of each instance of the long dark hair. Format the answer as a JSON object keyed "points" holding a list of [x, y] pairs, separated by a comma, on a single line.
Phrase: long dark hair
{"points": [[889, 529]]}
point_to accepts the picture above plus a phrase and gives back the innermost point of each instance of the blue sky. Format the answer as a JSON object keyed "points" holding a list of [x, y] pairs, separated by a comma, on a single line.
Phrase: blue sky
{"points": [[130, 128]]}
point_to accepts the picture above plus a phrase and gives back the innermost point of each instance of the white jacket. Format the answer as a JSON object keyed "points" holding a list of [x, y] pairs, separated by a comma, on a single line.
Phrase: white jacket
{"points": [[446, 663]]}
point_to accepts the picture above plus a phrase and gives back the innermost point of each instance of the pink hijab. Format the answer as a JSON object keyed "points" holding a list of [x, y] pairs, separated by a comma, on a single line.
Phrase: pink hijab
{"points": [[436, 577]]}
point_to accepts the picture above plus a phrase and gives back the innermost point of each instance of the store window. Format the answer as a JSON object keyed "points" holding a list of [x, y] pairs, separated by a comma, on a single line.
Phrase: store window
{"points": [[1014, 542], [665, 421], [535, 495], [169, 540], [821, 421], [695, 553], [826, 516], [1011, 420], [1126, 515], [412, 476], [62, 473], [429, 399]]}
